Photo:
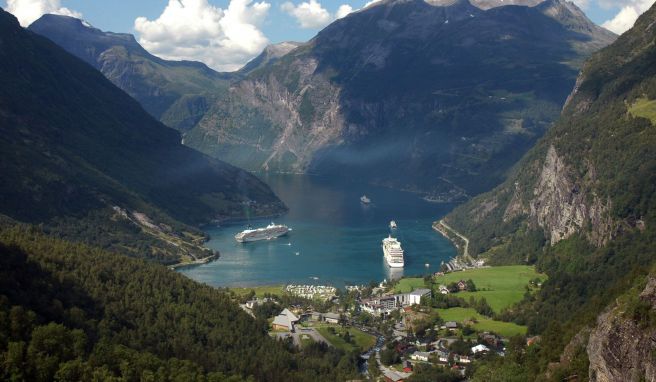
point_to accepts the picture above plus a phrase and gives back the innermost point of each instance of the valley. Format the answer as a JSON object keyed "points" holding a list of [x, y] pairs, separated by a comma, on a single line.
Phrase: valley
{"points": [[463, 190]]}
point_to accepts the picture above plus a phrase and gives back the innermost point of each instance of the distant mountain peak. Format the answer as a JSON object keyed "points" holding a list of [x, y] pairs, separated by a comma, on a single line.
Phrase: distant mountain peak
{"points": [[269, 54], [488, 4]]}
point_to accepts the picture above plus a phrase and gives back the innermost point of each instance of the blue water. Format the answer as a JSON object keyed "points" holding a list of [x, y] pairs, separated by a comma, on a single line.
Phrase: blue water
{"points": [[335, 239]]}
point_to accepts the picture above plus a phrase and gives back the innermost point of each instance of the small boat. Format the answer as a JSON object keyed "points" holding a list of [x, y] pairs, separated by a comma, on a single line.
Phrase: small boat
{"points": [[427, 265], [393, 224], [365, 200]]}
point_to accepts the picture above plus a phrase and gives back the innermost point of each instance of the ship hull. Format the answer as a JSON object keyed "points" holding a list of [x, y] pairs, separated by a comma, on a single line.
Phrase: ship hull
{"points": [[395, 265], [269, 236]]}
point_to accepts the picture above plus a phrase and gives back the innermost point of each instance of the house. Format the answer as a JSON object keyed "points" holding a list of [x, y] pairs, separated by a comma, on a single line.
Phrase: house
{"points": [[423, 344], [462, 285], [491, 340], [480, 348], [285, 321], [391, 376], [451, 325], [532, 340], [379, 305], [463, 359], [444, 289], [420, 356], [407, 366], [331, 318], [442, 356]]}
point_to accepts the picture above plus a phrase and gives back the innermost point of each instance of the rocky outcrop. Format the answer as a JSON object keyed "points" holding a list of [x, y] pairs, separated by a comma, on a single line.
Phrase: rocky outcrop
{"points": [[562, 205], [620, 349]]}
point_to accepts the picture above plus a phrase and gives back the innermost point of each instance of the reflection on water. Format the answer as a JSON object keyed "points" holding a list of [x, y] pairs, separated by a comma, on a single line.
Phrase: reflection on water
{"points": [[394, 273], [335, 239]]}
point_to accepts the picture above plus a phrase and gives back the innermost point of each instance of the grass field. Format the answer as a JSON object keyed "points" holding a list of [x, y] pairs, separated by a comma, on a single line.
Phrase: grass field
{"points": [[506, 329], [644, 108], [408, 285], [260, 291], [501, 286], [362, 341]]}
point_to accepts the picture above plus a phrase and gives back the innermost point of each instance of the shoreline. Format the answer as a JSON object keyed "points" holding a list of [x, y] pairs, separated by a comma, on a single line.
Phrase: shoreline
{"points": [[201, 261], [463, 260]]}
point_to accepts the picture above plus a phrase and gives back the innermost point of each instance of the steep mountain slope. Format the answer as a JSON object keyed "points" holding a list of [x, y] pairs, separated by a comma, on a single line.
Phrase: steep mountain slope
{"points": [[581, 205], [74, 146], [593, 172], [175, 92], [440, 97]]}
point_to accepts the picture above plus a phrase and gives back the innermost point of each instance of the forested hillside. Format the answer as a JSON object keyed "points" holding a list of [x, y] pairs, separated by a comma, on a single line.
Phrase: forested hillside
{"points": [[582, 207], [72, 312], [85, 160]]}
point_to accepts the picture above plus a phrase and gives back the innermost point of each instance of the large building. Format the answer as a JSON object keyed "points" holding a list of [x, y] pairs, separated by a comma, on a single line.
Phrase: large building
{"points": [[412, 298], [285, 321], [386, 304]]}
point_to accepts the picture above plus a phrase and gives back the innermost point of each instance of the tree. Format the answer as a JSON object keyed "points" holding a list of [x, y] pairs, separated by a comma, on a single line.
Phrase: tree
{"points": [[482, 307], [389, 357]]}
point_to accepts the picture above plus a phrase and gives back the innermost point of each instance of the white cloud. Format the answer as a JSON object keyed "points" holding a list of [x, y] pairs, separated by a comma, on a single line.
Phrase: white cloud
{"points": [[28, 11], [343, 11], [628, 14], [308, 14], [197, 30], [312, 15]]}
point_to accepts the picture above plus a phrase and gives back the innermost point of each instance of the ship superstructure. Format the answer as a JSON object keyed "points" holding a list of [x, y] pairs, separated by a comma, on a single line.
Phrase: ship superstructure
{"points": [[269, 232], [393, 252]]}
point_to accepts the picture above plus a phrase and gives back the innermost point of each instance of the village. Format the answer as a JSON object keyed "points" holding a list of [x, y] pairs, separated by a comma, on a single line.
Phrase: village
{"points": [[442, 321]]}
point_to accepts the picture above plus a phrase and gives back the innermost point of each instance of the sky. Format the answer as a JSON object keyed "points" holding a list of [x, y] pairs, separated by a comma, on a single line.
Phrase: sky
{"points": [[225, 34]]}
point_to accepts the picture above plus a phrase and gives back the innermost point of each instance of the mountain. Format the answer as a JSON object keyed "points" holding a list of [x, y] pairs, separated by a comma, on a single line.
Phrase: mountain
{"points": [[440, 98], [581, 205], [176, 92], [269, 55], [83, 159]]}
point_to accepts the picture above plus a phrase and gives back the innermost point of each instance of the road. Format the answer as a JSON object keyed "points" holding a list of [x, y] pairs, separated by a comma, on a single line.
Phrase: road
{"points": [[466, 248]]}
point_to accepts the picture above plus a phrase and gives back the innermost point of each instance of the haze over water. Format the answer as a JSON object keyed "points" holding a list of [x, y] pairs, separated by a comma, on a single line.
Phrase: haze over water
{"points": [[335, 239]]}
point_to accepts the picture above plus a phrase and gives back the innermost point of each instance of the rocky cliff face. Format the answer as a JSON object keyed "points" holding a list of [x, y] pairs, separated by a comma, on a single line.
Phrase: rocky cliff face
{"points": [[440, 97], [621, 349], [562, 205]]}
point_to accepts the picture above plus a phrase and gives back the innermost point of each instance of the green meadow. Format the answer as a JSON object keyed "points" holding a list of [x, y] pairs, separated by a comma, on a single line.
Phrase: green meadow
{"points": [[482, 323], [501, 286], [644, 108], [361, 340]]}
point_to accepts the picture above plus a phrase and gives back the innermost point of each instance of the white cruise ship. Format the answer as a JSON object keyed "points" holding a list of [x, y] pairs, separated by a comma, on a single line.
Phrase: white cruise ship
{"points": [[271, 231], [393, 252]]}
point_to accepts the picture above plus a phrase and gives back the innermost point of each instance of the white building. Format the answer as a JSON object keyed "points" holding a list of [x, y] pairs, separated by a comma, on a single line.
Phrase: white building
{"points": [[420, 356], [331, 318], [479, 349]]}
